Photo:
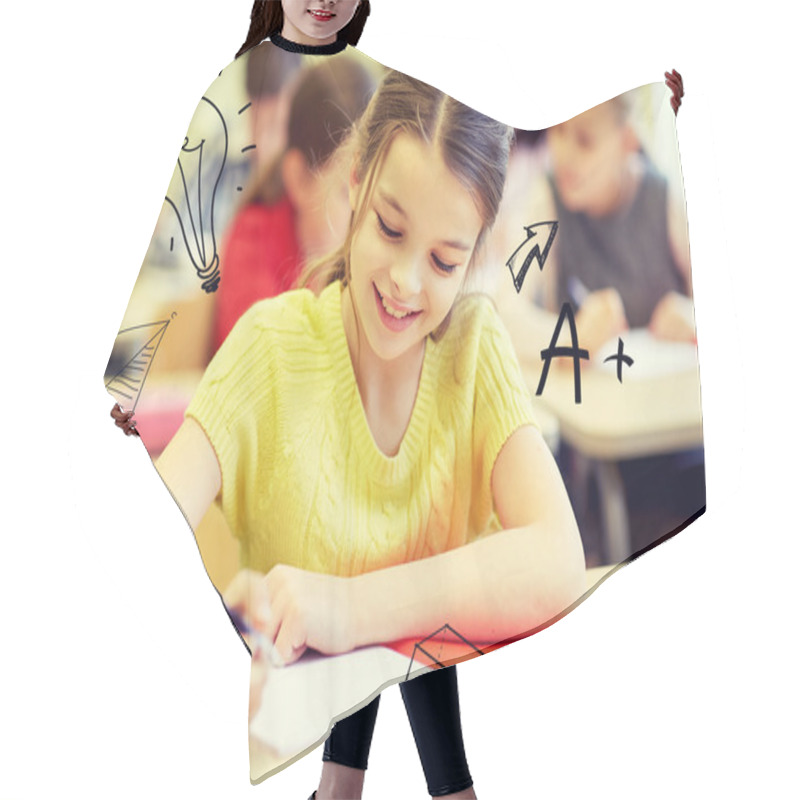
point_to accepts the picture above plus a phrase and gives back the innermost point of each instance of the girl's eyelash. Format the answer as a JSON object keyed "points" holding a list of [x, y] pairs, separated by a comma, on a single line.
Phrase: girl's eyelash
{"points": [[442, 266], [392, 234], [386, 229]]}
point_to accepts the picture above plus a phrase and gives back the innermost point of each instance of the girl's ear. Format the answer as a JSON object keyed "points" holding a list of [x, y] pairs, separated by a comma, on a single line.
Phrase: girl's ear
{"points": [[296, 177]]}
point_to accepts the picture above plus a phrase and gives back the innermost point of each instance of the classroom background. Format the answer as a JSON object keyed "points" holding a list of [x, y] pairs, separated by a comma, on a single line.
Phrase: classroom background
{"points": [[232, 231]]}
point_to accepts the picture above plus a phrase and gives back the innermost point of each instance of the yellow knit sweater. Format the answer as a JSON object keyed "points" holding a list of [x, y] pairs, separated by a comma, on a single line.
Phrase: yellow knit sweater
{"points": [[303, 482]]}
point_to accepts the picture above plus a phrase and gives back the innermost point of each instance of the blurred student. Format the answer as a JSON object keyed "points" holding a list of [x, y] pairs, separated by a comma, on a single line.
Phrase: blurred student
{"points": [[621, 260], [621, 254], [296, 207], [271, 78]]}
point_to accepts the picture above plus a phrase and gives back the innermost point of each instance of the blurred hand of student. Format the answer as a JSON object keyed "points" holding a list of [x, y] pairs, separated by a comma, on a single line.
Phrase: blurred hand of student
{"points": [[601, 317], [673, 318], [296, 609]]}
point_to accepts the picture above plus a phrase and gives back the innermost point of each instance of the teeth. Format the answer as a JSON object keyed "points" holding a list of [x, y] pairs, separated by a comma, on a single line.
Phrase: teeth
{"points": [[391, 312]]}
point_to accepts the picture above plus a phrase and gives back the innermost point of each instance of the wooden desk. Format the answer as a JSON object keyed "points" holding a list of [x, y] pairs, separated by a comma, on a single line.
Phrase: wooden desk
{"points": [[623, 420], [614, 421]]}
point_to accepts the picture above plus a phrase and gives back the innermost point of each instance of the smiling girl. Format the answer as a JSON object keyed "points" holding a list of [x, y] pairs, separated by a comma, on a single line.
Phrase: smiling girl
{"points": [[374, 443]]}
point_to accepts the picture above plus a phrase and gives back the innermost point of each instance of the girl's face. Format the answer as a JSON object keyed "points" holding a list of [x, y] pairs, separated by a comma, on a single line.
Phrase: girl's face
{"points": [[315, 22], [589, 155], [409, 255]]}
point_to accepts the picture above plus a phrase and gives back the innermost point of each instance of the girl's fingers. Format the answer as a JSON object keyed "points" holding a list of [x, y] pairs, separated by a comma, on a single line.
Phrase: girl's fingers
{"points": [[240, 590], [674, 88], [268, 619], [296, 653], [128, 426], [124, 420], [290, 642], [674, 81]]}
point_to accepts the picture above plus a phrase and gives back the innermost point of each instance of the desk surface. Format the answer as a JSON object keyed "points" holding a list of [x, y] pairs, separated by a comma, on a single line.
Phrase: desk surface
{"points": [[656, 414]]}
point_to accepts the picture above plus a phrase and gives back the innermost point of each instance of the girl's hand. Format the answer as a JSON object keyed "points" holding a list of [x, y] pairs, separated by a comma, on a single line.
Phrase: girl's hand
{"points": [[247, 596], [295, 609], [308, 609], [673, 318], [675, 82], [124, 420]]}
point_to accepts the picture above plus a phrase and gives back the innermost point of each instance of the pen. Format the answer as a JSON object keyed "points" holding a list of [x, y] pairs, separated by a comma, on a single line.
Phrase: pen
{"points": [[577, 291], [260, 642]]}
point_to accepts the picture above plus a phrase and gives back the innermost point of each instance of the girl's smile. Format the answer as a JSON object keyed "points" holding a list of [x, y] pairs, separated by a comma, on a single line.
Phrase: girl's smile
{"points": [[409, 254], [322, 16], [316, 22], [393, 316]]}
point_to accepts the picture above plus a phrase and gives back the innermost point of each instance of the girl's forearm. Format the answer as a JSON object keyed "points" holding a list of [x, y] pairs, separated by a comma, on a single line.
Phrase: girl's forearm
{"points": [[497, 587]]}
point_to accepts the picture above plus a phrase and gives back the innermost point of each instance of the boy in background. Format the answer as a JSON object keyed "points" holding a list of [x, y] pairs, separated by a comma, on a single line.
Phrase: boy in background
{"points": [[620, 258]]}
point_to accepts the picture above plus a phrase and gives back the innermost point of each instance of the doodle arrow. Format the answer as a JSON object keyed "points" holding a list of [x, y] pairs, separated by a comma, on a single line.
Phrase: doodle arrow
{"points": [[531, 248]]}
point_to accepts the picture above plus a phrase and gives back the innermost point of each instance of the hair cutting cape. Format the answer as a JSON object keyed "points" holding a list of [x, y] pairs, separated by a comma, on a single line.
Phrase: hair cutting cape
{"points": [[593, 216]]}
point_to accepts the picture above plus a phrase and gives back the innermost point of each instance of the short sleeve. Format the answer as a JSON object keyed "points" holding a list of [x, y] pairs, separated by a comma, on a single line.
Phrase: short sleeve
{"points": [[234, 394], [502, 397]]}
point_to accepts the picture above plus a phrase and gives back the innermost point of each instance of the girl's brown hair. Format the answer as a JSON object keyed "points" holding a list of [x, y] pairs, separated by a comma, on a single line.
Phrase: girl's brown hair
{"points": [[266, 19], [474, 147]]}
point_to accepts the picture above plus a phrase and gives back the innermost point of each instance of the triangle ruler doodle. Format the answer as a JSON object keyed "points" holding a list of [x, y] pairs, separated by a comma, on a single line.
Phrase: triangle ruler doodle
{"points": [[128, 383]]}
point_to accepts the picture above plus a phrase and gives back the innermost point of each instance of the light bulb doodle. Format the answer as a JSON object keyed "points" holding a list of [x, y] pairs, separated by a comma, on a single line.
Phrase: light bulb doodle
{"points": [[531, 248], [241, 111], [127, 384], [205, 161]]}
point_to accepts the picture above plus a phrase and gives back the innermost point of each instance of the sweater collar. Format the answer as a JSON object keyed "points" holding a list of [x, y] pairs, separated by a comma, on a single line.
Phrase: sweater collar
{"points": [[381, 466], [309, 49]]}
